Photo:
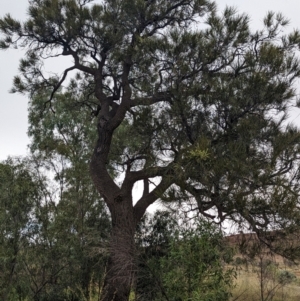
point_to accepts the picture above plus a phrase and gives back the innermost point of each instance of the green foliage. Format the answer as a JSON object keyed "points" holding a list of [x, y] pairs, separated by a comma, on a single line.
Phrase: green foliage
{"points": [[286, 277], [193, 269], [61, 254], [20, 191], [77, 222], [208, 104], [202, 111], [67, 130], [48, 251], [181, 262]]}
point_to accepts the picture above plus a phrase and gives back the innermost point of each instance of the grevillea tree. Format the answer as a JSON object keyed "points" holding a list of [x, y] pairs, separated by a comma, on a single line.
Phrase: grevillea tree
{"points": [[190, 103]]}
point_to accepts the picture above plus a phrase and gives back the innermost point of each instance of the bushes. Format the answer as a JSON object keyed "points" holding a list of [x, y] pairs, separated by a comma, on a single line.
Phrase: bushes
{"points": [[285, 277], [191, 268]]}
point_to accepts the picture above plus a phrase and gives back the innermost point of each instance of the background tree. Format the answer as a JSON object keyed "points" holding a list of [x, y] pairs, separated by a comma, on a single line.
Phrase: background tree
{"points": [[62, 256], [46, 251], [20, 191], [80, 223], [205, 108]]}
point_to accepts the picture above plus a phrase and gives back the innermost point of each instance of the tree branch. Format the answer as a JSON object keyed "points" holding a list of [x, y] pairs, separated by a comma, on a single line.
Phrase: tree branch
{"points": [[150, 172], [58, 85], [149, 198], [144, 101]]}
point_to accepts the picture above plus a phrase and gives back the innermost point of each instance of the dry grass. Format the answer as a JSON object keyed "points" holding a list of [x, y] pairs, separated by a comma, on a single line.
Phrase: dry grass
{"points": [[248, 286]]}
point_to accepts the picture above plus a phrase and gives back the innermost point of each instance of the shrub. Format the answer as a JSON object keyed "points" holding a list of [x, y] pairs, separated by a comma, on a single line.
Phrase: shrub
{"points": [[286, 277]]}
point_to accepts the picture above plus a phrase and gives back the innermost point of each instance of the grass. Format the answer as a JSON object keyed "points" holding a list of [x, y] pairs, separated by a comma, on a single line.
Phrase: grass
{"points": [[248, 285]]}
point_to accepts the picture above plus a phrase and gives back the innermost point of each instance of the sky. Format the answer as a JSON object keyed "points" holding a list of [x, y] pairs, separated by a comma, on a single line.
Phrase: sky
{"points": [[13, 107]]}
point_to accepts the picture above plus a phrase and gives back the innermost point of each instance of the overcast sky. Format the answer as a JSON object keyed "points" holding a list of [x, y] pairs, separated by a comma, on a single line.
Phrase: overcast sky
{"points": [[13, 107]]}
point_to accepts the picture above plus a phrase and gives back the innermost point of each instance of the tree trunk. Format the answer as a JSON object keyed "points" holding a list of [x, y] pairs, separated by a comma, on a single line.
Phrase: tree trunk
{"points": [[120, 269]]}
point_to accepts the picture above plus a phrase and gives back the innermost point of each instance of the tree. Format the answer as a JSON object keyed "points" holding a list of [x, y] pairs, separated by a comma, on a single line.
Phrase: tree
{"points": [[200, 109], [20, 191], [49, 247], [63, 255], [79, 222]]}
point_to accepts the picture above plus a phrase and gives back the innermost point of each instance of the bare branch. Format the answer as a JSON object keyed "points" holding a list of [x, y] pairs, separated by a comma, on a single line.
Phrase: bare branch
{"points": [[58, 85]]}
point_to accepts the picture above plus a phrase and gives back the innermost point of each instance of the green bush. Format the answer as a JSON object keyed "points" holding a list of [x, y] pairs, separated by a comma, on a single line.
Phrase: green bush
{"points": [[286, 277], [187, 265], [194, 269]]}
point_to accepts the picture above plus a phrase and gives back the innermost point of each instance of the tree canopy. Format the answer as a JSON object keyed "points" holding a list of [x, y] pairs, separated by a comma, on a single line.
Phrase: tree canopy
{"points": [[190, 102]]}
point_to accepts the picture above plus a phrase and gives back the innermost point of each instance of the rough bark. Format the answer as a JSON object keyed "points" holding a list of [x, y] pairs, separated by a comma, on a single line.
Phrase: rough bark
{"points": [[121, 264], [120, 270]]}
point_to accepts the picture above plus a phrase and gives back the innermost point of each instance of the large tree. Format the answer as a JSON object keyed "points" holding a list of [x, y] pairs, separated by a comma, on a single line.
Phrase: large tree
{"points": [[195, 110]]}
